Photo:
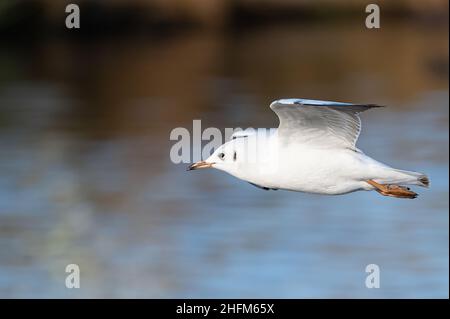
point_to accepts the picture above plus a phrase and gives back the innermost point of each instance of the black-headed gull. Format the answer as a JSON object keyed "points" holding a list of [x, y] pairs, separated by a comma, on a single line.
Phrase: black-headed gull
{"points": [[313, 150]]}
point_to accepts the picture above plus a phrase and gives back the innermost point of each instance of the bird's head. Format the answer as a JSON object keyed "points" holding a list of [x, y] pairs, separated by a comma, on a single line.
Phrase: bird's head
{"points": [[225, 158]]}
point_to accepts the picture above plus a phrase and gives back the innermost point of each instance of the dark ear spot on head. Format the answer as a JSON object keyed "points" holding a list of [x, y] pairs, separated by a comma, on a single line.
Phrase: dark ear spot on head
{"points": [[234, 156]]}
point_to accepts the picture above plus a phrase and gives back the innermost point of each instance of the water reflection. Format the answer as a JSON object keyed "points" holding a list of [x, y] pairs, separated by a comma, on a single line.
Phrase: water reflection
{"points": [[86, 175]]}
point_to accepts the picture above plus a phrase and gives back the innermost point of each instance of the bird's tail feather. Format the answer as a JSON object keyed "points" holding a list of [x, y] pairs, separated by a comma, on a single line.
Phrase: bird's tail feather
{"points": [[412, 178]]}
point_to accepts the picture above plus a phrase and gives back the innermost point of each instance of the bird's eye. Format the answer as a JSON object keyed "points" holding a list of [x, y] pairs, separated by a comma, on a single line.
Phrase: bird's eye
{"points": [[234, 156], [221, 156]]}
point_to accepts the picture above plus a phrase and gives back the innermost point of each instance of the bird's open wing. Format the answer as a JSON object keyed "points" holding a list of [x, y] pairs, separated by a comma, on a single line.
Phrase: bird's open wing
{"points": [[323, 123]]}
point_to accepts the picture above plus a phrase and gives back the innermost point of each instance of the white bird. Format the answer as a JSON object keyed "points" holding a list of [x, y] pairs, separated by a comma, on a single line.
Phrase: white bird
{"points": [[313, 150]]}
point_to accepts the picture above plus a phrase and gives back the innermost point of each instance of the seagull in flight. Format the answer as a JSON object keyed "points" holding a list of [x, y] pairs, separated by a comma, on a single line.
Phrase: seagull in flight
{"points": [[313, 151]]}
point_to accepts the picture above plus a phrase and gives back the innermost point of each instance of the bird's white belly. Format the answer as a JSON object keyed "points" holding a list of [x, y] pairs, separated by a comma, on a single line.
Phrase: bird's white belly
{"points": [[320, 171]]}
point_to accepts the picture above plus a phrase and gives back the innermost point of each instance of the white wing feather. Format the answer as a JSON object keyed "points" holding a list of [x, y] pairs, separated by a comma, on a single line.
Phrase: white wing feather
{"points": [[323, 123]]}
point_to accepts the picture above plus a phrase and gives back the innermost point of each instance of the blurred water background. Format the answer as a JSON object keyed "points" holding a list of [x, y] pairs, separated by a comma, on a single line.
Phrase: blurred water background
{"points": [[85, 173]]}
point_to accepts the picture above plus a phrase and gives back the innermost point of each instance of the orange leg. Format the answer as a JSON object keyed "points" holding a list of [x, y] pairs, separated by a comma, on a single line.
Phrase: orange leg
{"points": [[393, 190]]}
